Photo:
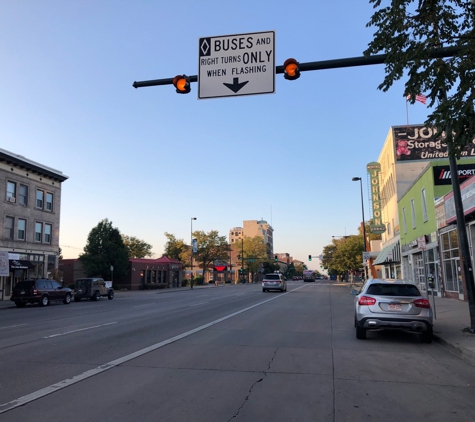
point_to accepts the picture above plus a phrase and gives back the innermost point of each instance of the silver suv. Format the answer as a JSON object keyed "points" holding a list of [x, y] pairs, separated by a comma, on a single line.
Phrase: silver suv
{"points": [[392, 304], [274, 281]]}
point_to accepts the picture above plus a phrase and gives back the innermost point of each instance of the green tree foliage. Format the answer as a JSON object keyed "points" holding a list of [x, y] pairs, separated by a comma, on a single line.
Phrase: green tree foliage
{"points": [[177, 249], [408, 31], [255, 254], [343, 255], [137, 248], [211, 246], [104, 248]]}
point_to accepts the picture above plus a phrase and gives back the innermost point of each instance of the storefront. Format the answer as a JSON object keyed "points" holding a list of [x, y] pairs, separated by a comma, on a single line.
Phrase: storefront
{"points": [[19, 267], [390, 260], [421, 263], [143, 273]]}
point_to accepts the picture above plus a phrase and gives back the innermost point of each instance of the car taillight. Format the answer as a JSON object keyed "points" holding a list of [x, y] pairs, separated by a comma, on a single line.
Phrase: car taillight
{"points": [[365, 300], [422, 303], [35, 292]]}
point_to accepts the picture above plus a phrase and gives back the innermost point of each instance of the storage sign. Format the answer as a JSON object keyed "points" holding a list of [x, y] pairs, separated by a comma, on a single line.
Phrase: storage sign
{"points": [[235, 65]]}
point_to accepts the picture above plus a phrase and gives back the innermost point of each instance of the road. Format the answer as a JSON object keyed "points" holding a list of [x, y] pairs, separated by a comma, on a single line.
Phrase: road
{"points": [[231, 353]]}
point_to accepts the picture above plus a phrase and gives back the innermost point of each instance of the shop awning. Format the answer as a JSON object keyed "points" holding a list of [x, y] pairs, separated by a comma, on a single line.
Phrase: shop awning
{"points": [[20, 264], [391, 253]]}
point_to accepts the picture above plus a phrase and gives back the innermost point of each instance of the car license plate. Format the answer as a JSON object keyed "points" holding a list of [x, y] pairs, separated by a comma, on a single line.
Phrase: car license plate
{"points": [[394, 307], [22, 292]]}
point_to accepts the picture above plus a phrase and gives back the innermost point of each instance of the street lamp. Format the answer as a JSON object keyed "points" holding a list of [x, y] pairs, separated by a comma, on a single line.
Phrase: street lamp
{"points": [[191, 253], [355, 179]]}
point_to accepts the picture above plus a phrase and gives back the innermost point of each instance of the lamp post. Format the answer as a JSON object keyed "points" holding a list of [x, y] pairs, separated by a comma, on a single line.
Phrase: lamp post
{"points": [[191, 253], [355, 179]]}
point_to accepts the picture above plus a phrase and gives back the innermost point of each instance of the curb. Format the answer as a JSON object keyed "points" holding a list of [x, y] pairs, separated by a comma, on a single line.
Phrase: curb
{"points": [[456, 350]]}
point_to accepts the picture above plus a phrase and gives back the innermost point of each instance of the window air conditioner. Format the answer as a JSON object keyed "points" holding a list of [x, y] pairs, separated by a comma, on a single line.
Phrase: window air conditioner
{"points": [[11, 199]]}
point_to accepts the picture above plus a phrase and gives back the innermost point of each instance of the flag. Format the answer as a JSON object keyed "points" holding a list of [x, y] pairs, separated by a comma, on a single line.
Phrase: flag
{"points": [[419, 97]]}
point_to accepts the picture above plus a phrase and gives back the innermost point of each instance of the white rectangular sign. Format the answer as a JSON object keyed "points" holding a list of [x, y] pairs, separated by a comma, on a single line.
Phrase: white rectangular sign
{"points": [[234, 65]]}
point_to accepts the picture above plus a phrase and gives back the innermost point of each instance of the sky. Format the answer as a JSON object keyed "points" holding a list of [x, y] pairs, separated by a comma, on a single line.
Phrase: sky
{"points": [[149, 159]]}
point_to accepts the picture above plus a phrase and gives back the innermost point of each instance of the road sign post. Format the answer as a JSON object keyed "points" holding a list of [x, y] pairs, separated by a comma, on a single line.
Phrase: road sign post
{"points": [[235, 65]]}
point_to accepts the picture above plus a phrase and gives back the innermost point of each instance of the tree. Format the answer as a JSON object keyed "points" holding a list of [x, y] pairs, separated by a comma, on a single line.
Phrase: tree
{"points": [[137, 248], [177, 249], [104, 248], [409, 34], [211, 246], [409, 31], [255, 254], [60, 253]]}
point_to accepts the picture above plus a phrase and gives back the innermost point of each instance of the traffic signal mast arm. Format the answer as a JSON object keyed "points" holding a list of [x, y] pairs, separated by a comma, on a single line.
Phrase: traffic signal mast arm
{"points": [[321, 65]]}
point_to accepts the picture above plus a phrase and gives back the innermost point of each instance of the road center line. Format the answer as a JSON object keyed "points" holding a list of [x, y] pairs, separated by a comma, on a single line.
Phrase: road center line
{"points": [[112, 364], [81, 329]]}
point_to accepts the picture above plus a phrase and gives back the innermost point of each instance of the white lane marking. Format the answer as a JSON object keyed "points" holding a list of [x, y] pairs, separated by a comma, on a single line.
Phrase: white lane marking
{"points": [[81, 329], [146, 304], [200, 303], [112, 364], [12, 326]]}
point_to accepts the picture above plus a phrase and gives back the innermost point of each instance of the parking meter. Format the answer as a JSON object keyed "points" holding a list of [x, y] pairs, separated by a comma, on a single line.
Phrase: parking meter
{"points": [[430, 280]]}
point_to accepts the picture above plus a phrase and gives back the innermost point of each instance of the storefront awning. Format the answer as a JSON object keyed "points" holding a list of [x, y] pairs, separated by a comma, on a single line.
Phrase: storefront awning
{"points": [[20, 264], [391, 253]]}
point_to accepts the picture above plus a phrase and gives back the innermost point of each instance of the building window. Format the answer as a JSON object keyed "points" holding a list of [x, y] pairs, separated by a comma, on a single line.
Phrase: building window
{"points": [[48, 230], [9, 224], [49, 201], [23, 195], [38, 232], [413, 211], [21, 233], [404, 222], [11, 191], [424, 205], [39, 198], [389, 228]]}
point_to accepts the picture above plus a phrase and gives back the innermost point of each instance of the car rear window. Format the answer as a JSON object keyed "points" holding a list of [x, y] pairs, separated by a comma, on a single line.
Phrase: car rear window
{"points": [[393, 290], [26, 284], [272, 277]]}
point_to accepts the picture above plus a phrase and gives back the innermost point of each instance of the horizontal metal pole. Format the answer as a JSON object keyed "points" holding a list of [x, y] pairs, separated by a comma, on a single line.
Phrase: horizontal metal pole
{"points": [[322, 65]]}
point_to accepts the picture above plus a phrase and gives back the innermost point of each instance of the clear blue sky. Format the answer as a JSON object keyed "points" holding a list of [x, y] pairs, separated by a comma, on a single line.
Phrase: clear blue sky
{"points": [[149, 159]]}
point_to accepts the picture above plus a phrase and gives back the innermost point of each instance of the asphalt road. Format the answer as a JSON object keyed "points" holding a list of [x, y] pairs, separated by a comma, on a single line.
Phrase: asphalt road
{"points": [[231, 353]]}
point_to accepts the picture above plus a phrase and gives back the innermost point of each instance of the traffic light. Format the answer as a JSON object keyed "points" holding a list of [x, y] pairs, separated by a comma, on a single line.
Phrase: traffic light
{"points": [[291, 69], [310, 257], [241, 271], [276, 258], [182, 84]]}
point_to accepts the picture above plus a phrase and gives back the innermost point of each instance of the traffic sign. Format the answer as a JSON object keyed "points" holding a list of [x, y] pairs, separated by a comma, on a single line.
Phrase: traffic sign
{"points": [[236, 65]]}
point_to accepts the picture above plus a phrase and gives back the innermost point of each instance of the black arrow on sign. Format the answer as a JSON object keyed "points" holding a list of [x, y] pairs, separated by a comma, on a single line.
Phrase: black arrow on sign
{"points": [[235, 86]]}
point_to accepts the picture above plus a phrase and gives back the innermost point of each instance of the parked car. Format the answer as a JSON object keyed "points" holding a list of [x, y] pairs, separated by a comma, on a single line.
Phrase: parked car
{"points": [[392, 305], [92, 288], [274, 281], [41, 291]]}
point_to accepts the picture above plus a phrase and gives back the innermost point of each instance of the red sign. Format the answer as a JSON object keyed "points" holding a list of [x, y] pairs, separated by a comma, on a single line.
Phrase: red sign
{"points": [[220, 268]]}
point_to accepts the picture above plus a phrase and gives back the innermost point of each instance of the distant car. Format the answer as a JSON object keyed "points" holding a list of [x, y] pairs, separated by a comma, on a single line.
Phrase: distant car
{"points": [[41, 291], [92, 288], [274, 281], [392, 305]]}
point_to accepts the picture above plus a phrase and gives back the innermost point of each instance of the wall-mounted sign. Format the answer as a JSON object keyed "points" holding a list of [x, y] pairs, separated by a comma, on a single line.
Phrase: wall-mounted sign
{"points": [[418, 142], [377, 225], [442, 174]]}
